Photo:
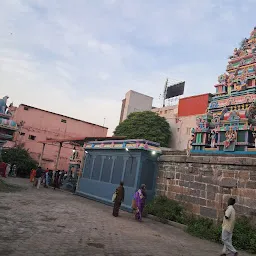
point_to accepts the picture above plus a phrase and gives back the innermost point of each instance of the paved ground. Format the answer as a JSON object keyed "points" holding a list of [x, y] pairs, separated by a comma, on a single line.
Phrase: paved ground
{"points": [[47, 222]]}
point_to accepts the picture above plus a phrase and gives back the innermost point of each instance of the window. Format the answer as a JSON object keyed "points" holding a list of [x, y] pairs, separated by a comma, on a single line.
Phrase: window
{"points": [[188, 130], [118, 170], [88, 167], [31, 137], [107, 167], [22, 133], [25, 108], [63, 120], [165, 111], [130, 172], [160, 112], [178, 129]]}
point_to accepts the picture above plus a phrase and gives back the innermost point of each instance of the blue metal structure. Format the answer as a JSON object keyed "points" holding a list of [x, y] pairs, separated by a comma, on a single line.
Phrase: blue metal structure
{"points": [[105, 167]]}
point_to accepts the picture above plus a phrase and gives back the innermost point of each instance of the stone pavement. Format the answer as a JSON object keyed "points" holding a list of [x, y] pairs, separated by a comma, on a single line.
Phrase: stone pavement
{"points": [[47, 222]]}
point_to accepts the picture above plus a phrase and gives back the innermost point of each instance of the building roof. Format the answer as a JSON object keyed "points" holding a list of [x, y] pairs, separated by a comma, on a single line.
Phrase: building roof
{"points": [[63, 115], [144, 95], [198, 95], [82, 139]]}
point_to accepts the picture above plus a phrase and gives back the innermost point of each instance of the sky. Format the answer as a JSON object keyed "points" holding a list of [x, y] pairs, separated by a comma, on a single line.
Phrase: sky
{"points": [[80, 57]]}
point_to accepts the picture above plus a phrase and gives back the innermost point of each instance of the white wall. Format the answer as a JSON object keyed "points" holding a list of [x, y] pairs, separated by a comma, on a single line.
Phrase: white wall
{"points": [[180, 126], [136, 102], [183, 131], [170, 114]]}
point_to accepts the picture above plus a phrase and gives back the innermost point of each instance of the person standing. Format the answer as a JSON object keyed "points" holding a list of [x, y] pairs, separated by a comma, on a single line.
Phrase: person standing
{"points": [[32, 175], [119, 198], [38, 176], [46, 184], [3, 167], [228, 227], [14, 171], [56, 180], [140, 200], [8, 169], [50, 177]]}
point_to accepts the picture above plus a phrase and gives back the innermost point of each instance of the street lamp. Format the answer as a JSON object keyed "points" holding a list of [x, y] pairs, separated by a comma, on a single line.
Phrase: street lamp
{"points": [[131, 157], [87, 153], [127, 149]]}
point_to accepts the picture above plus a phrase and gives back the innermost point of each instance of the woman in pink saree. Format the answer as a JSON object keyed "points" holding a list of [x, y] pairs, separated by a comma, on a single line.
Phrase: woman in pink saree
{"points": [[140, 199]]}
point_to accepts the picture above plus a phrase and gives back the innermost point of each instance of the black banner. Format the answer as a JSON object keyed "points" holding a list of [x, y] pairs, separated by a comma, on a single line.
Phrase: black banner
{"points": [[175, 90]]}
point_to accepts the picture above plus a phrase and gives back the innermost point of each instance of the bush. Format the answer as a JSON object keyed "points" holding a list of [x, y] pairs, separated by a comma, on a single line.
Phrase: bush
{"points": [[204, 228], [166, 209], [21, 158], [244, 236]]}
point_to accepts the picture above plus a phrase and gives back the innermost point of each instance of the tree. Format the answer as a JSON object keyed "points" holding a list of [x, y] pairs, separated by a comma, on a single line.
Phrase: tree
{"points": [[145, 125], [21, 158]]}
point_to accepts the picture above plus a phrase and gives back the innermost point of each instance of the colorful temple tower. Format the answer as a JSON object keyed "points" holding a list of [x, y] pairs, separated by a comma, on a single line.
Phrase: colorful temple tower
{"points": [[229, 124], [7, 126]]}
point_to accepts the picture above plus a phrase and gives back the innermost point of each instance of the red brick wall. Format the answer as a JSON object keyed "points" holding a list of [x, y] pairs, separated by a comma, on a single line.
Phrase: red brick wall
{"points": [[194, 105]]}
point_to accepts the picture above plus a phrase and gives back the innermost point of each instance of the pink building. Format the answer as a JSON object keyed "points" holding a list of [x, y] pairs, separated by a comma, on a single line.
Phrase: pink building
{"points": [[39, 125]]}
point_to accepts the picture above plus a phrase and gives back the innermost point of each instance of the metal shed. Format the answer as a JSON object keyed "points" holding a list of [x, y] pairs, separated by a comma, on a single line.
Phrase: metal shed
{"points": [[108, 162]]}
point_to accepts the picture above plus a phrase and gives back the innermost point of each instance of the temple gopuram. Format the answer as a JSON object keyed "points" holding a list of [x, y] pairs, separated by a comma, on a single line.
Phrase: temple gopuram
{"points": [[7, 125], [229, 124]]}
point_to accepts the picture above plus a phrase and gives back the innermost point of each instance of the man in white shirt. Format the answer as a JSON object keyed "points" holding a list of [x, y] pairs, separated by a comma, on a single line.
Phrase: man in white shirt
{"points": [[228, 227]]}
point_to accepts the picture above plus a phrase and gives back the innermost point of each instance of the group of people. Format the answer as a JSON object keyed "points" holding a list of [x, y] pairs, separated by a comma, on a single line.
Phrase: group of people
{"points": [[138, 201], [47, 177], [7, 170]]}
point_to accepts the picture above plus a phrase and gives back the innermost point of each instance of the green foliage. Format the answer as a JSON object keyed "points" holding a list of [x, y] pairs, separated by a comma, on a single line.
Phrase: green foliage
{"points": [[20, 157], [166, 209], [204, 228], [145, 125], [244, 236]]}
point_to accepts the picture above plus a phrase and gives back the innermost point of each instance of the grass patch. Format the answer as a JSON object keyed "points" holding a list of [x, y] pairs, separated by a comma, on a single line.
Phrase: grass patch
{"points": [[204, 229], [244, 236], [166, 209], [5, 187]]}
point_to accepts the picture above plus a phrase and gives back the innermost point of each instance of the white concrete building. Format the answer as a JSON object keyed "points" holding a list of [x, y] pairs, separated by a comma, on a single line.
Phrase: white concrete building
{"points": [[135, 102]]}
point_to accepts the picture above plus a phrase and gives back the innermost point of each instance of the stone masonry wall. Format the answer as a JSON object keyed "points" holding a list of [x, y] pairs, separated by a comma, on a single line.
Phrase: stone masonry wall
{"points": [[204, 183]]}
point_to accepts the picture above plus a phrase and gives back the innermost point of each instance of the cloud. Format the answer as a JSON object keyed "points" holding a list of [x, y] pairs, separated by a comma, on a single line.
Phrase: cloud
{"points": [[80, 58]]}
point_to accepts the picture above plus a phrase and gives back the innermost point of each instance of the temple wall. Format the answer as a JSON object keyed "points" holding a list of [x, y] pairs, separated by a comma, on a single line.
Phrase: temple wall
{"points": [[204, 183]]}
